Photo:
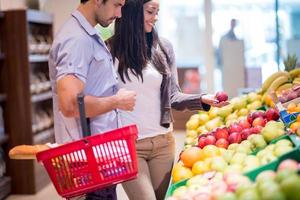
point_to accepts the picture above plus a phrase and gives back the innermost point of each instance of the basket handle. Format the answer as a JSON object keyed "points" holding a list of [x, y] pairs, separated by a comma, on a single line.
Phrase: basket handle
{"points": [[85, 125]]}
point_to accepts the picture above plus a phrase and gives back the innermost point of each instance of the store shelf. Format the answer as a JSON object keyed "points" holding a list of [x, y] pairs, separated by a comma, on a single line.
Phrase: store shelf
{"points": [[5, 187], [41, 97], [2, 97], [35, 16], [38, 58], [3, 139], [43, 136]]}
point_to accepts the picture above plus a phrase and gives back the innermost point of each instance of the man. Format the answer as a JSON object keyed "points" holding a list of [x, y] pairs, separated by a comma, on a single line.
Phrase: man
{"points": [[80, 62]]}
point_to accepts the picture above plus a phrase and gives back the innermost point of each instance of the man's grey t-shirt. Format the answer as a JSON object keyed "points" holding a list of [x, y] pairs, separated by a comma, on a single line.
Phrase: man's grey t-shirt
{"points": [[80, 51]]}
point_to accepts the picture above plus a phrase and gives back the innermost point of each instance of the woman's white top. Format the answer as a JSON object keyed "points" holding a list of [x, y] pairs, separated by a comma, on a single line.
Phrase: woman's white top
{"points": [[147, 112]]}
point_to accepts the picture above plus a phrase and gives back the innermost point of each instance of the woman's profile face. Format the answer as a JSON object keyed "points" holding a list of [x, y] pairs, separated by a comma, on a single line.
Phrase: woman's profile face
{"points": [[151, 9]]}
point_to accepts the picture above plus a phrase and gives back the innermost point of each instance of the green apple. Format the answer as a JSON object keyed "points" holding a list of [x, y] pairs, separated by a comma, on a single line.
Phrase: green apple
{"points": [[267, 158], [257, 140], [284, 174], [280, 150], [271, 191], [213, 112], [238, 103], [190, 141], [233, 168], [284, 142], [248, 144], [192, 124], [191, 133], [270, 147], [254, 105], [272, 130], [202, 130], [225, 111], [231, 117], [243, 112], [252, 96], [241, 188], [264, 176], [243, 149], [291, 187], [249, 195], [238, 158], [180, 192], [213, 124], [197, 180], [218, 164], [227, 155], [251, 160], [233, 146], [203, 118]]}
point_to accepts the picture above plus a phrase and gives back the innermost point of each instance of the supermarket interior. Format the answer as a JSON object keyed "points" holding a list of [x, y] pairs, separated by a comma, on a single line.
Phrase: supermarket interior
{"points": [[239, 58]]}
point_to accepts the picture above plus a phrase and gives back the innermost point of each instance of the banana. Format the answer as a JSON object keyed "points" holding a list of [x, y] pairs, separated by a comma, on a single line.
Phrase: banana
{"points": [[272, 78], [278, 82], [284, 87], [295, 72], [297, 79]]}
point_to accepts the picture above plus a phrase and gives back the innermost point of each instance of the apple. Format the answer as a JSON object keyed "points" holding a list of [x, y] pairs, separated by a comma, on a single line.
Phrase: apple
{"points": [[256, 129], [201, 141], [250, 118], [267, 158], [180, 192], [221, 133], [203, 118], [280, 150], [244, 124], [245, 133], [210, 140], [238, 103], [272, 114], [243, 149], [233, 168], [288, 164], [248, 144], [257, 114], [222, 143], [243, 112], [284, 142], [233, 146], [251, 160], [238, 158], [225, 111], [267, 175], [257, 140], [221, 96], [213, 123], [227, 155], [235, 128], [191, 133], [291, 187], [252, 96], [235, 137], [259, 121], [192, 124], [218, 189], [272, 130], [190, 141], [218, 164]]}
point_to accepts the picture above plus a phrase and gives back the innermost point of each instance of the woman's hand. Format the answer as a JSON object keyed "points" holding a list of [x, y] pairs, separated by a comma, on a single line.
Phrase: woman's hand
{"points": [[212, 101]]}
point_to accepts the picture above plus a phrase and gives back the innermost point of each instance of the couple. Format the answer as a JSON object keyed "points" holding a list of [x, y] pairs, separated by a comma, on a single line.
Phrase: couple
{"points": [[141, 89]]}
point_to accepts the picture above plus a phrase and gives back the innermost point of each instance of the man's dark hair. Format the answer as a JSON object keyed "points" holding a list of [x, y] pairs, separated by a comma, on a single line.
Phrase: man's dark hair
{"points": [[84, 1], [132, 46]]}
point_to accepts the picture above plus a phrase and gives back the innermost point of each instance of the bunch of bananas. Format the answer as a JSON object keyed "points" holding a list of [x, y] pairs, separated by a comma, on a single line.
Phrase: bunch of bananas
{"points": [[280, 81]]}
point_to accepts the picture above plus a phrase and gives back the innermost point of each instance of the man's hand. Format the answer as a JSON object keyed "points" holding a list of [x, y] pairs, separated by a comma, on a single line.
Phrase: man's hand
{"points": [[126, 99], [212, 101]]}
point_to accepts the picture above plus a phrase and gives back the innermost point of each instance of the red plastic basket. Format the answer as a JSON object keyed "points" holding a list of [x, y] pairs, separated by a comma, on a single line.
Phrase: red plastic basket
{"points": [[92, 163]]}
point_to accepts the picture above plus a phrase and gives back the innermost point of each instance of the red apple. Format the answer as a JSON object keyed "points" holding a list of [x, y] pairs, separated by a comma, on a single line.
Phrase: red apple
{"points": [[222, 143], [221, 96], [210, 139], [256, 129], [250, 118], [244, 124], [201, 142], [235, 128], [221, 133], [245, 133], [259, 121], [235, 138], [257, 114], [272, 114]]}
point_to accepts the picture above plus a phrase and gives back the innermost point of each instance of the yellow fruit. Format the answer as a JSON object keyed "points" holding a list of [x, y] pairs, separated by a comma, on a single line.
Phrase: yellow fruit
{"points": [[284, 87], [291, 107], [294, 126], [200, 167], [211, 151], [191, 155], [181, 173], [272, 78], [277, 82], [192, 124], [294, 72]]}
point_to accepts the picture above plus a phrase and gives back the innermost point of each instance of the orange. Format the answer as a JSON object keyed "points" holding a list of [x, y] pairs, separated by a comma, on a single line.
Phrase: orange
{"points": [[211, 151], [291, 107], [298, 118], [297, 109], [294, 126], [180, 173], [191, 155], [200, 167], [268, 100]]}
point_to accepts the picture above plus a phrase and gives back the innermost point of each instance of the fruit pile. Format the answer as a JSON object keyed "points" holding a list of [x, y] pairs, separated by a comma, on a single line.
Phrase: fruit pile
{"points": [[284, 184], [237, 132], [205, 122]]}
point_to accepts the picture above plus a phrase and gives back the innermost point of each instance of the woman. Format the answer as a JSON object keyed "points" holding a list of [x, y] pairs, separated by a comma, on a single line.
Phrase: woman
{"points": [[146, 64]]}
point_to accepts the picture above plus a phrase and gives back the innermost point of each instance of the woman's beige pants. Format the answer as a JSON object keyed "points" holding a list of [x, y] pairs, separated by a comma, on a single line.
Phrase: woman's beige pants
{"points": [[155, 161]]}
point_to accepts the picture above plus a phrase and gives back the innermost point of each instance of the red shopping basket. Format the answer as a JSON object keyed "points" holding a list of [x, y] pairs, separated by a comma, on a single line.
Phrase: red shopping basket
{"points": [[94, 162]]}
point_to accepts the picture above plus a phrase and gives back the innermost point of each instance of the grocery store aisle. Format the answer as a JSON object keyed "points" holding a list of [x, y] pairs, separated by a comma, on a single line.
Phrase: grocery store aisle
{"points": [[49, 193]]}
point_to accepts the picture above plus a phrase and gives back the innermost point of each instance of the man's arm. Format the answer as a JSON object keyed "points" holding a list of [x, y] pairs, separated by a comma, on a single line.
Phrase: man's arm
{"points": [[70, 86]]}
